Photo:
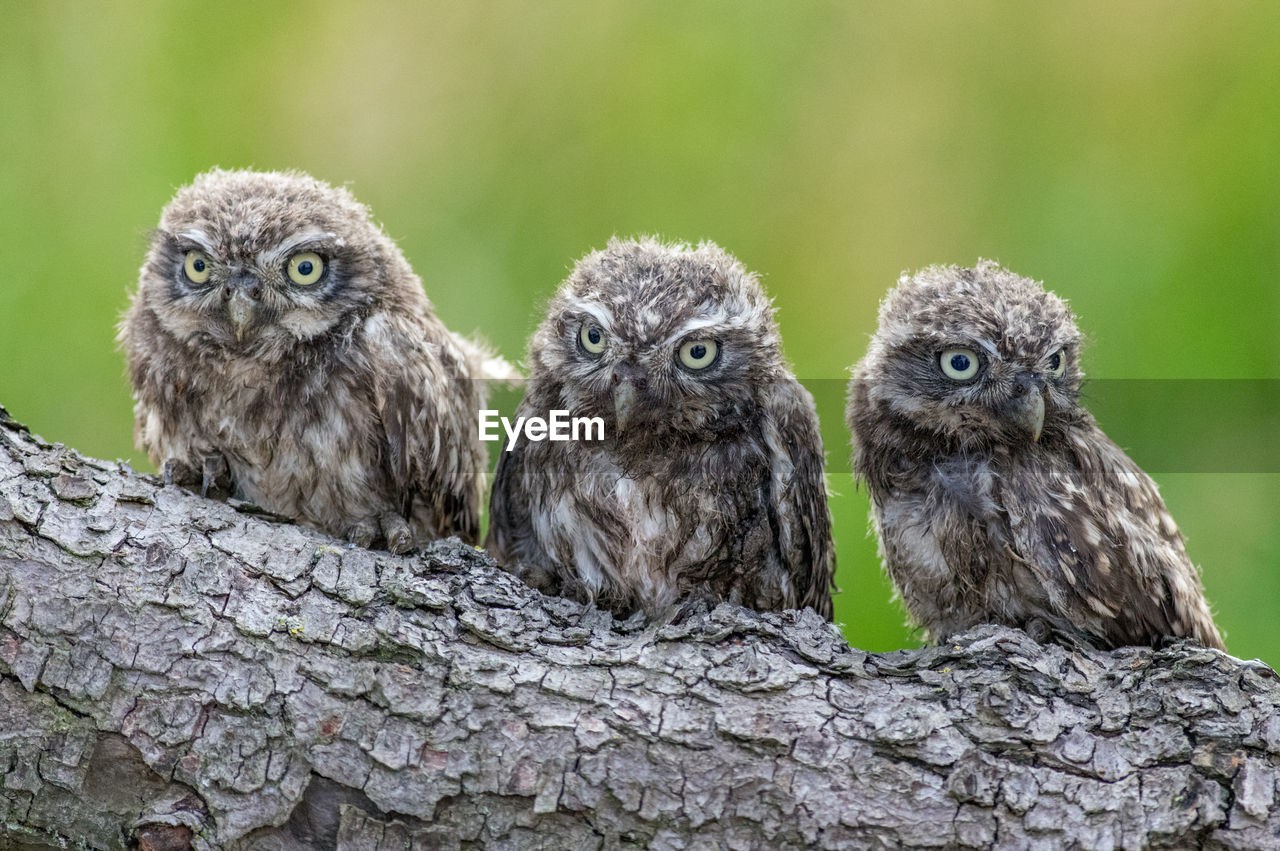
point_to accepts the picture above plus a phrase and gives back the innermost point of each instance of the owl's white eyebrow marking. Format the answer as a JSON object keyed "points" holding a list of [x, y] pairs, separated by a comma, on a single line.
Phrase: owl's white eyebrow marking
{"points": [[696, 325], [199, 237], [598, 312], [274, 255], [988, 347], [718, 317]]}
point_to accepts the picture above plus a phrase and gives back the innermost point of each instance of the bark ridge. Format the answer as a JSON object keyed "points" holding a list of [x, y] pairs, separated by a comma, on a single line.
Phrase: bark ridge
{"points": [[179, 672]]}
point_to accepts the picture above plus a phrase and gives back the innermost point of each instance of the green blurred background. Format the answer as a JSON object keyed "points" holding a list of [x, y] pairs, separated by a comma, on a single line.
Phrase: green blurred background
{"points": [[1127, 154]]}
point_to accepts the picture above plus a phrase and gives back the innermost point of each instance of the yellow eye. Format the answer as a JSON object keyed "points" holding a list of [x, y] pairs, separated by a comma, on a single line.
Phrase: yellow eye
{"points": [[1058, 363], [699, 354], [959, 364], [196, 266], [592, 338], [305, 268]]}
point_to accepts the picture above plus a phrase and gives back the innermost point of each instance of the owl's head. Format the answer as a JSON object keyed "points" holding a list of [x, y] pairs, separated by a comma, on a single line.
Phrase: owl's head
{"points": [[975, 355], [257, 262], [658, 337]]}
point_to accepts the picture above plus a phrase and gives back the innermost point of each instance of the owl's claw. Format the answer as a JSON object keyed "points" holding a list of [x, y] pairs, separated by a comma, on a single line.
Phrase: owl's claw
{"points": [[1045, 631], [699, 603], [213, 480], [363, 533], [217, 475], [396, 533], [1040, 630], [180, 473], [389, 530]]}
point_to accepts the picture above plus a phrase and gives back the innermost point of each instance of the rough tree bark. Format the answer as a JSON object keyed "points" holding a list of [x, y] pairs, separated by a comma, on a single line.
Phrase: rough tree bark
{"points": [[175, 670]]}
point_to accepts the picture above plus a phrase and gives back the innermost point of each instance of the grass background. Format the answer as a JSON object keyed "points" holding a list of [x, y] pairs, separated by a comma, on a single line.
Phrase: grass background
{"points": [[1127, 154]]}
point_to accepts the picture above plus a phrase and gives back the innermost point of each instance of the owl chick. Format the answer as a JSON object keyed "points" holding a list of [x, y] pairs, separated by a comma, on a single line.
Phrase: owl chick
{"points": [[279, 343], [995, 496], [709, 481]]}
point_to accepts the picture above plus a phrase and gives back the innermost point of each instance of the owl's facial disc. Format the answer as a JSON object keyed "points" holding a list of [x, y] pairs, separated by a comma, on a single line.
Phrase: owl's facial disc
{"points": [[1026, 408]]}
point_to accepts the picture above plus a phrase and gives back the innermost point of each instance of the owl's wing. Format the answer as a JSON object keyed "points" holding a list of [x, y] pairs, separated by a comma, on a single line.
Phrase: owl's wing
{"points": [[802, 517], [428, 408], [510, 526], [512, 539], [1113, 546]]}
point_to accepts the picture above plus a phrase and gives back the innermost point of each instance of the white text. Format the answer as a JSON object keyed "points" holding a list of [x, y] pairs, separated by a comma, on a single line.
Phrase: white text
{"points": [[558, 425]]}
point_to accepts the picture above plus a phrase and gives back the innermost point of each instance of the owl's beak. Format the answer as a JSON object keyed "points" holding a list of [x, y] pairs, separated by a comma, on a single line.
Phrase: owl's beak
{"points": [[240, 312], [1027, 407], [628, 380], [624, 403], [241, 296]]}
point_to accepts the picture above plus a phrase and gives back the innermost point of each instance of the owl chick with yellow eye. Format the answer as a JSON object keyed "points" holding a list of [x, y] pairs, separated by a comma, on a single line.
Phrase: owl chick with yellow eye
{"points": [[709, 482], [995, 496], [280, 346]]}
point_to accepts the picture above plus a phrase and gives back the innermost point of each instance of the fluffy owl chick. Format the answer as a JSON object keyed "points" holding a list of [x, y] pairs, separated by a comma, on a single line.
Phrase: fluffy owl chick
{"points": [[279, 338], [709, 481], [995, 496]]}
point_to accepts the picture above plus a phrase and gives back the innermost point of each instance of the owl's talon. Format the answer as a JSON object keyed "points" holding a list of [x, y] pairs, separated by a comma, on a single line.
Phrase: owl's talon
{"points": [[697, 604], [542, 578], [178, 473], [396, 533], [363, 534], [1039, 630], [217, 475]]}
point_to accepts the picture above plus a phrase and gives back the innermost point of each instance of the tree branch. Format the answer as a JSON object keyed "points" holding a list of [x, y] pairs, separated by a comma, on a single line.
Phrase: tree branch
{"points": [[179, 671]]}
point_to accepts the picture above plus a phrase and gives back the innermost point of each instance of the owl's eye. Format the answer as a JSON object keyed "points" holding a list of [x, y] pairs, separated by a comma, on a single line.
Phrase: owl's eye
{"points": [[699, 354], [592, 338], [1058, 363], [305, 268], [196, 267], [959, 364]]}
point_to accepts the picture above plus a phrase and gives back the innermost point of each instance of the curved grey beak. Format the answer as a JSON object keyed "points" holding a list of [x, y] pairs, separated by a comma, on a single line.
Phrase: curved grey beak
{"points": [[1028, 411], [628, 380], [624, 403], [240, 312], [240, 295]]}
